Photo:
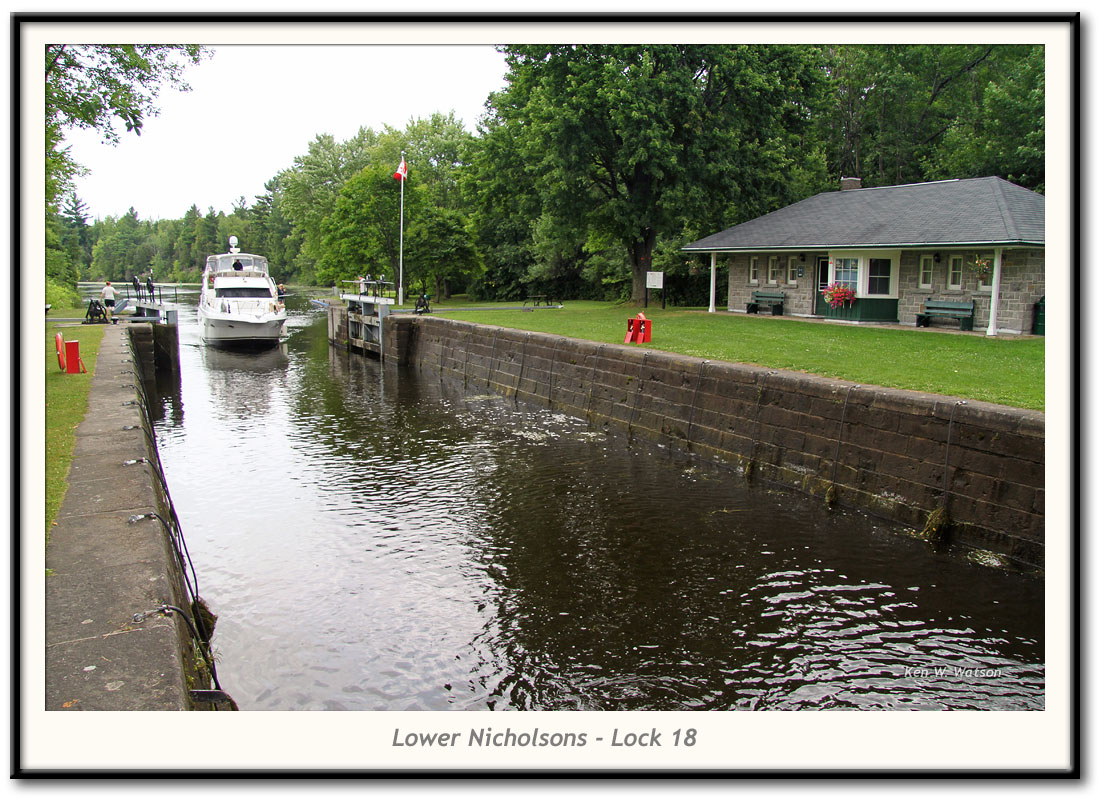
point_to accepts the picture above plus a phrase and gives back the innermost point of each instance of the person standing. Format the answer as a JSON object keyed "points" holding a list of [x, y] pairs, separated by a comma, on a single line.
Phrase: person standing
{"points": [[108, 293]]}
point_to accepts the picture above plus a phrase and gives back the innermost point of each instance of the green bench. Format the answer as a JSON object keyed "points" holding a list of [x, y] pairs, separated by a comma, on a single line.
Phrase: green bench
{"points": [[963, 311], [766, 298]]}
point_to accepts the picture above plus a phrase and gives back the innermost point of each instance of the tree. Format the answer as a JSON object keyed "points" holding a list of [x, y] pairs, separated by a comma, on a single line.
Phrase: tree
{"points": [[499, 184], [75, 236], [1002, 130], [903, 114], [309, 189], [362, 234], [273, 232], [439, 248], [239, 224], [186, 260], [123, 248], [628, 140], [206, 238], [163, 239], [438, 149]]}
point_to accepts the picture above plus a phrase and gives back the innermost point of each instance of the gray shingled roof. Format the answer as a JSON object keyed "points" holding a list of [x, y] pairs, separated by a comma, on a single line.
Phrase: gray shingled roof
{"points": [[987, 211]]}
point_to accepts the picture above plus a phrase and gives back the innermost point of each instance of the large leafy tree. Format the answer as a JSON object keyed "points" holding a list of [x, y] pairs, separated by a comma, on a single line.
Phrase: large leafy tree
{"points": [[628, 140], [309, 189], [1000, 129], [439, 248], [362, 234], [437, 150], [908, 113], [503, 202]]}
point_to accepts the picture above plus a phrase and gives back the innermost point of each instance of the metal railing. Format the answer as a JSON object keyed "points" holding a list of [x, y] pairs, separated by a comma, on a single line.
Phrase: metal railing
{"points": [[151, 294]]}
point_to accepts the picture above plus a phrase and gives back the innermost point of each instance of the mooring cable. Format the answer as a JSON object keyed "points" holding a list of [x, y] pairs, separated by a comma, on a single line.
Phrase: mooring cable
{"points": [[172, 525], [553, 363], [191, 583], [756, 417], [166, 609], [592, 381], [519, 377], [694, 397], [466, 362], [840, 433], [947, 450], [492, 361]]}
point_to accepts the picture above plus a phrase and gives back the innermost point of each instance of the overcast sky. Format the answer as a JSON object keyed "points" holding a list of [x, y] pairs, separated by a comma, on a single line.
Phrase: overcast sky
{"points": [[253, 108]]}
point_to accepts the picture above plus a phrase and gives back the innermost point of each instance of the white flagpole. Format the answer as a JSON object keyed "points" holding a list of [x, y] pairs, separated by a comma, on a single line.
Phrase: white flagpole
{"points": [[401, 244]]}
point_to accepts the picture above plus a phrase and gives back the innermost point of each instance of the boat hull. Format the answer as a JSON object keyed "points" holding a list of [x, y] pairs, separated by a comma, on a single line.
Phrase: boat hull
{"points": [[234, 330]]}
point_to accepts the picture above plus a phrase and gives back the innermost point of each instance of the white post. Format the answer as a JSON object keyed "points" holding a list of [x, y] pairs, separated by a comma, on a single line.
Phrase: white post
{"points": [[401, 245], [995, 294], [713, 268]]}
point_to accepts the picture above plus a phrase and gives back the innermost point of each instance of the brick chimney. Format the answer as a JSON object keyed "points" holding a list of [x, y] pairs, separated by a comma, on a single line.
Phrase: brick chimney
{"points": [[850, 183]]}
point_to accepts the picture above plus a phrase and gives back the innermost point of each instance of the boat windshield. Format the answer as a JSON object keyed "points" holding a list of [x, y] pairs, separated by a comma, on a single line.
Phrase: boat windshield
{"points": [[242, 291], [236, 261]]}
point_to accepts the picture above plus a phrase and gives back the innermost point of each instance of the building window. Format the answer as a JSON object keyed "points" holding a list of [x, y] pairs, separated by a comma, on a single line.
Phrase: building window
{"points": [[773, 269], [846, 270], [878, 276], [792, 270], [985, 283], [754, 269], [926, 272], [955, 272]]}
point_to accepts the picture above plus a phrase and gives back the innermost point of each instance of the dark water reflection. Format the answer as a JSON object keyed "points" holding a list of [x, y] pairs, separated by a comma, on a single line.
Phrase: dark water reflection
{"points": [[375, 539]]}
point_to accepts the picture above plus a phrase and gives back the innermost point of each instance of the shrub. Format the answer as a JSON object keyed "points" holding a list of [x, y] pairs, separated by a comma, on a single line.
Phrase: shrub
{"points": [[61, 296]]}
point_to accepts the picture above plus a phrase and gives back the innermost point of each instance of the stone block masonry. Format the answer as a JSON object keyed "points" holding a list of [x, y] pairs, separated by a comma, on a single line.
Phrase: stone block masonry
{"points": [[105, 568], [897, 454]]}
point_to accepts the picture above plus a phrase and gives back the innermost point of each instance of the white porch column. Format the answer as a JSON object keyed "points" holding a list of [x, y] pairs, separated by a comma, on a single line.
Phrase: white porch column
{"points": [[995, 294], [713, 269]]}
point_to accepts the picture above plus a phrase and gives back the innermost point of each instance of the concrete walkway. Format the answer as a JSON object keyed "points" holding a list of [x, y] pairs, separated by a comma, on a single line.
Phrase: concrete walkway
{"points": [[105, 569]]}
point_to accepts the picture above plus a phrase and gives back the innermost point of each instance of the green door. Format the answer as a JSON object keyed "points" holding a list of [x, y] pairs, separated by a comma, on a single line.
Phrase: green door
{"points": [[1039, 323]]}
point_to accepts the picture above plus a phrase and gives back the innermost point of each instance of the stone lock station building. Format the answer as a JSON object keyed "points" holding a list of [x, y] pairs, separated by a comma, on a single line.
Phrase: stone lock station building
{"points": [[955, 253]]}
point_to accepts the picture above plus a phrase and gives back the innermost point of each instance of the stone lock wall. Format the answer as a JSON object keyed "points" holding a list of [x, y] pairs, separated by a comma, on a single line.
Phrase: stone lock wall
{"points": [[900, 455]]}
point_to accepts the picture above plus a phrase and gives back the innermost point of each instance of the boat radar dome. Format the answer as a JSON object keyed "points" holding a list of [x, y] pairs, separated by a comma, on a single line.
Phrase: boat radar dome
{"points": [[233, 245]]}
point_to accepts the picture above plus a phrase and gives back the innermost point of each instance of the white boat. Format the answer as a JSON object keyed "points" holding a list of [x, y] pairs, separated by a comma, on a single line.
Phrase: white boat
{"points": [[239, 302]]}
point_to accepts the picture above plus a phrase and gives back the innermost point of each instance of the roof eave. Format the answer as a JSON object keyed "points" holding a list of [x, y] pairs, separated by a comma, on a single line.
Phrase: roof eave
{"points": [[787, 248]]}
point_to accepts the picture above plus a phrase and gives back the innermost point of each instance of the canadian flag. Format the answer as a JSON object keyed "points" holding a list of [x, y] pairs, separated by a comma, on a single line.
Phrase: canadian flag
{"points": [[402, 171]]}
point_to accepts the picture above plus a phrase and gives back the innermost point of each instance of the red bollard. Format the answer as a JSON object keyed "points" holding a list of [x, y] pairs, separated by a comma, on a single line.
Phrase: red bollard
{"points": [[638, 329], [73, 364]]}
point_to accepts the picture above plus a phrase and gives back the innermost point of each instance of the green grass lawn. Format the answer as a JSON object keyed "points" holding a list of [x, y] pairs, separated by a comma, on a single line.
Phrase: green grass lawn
{"points": [[66, 403], [996, 370]]}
